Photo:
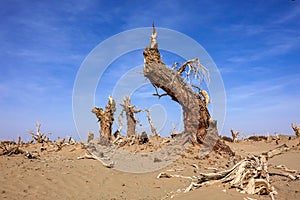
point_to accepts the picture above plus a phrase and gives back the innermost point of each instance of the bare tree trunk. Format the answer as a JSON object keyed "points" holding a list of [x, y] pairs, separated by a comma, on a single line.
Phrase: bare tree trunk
{"points": [[195, 113], [130, 111], [153, 129], [234, 136], [296, 130], [106, 118]]}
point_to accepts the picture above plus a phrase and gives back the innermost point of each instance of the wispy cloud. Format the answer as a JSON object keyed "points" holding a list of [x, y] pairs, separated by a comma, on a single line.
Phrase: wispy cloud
{"points": [[267, 50], [291, 15]]}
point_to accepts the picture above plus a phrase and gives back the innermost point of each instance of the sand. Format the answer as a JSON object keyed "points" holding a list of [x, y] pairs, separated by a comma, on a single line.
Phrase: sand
{"points": [[60, 175]]}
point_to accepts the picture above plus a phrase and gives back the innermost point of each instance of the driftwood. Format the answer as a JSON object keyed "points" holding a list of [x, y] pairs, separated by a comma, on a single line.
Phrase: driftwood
{"points": [[195, 112], [106, 117], [296, 130]]}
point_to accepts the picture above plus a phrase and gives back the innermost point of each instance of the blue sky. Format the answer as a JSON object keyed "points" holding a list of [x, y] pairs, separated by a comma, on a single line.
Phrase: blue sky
{"points": [[255, 45]]}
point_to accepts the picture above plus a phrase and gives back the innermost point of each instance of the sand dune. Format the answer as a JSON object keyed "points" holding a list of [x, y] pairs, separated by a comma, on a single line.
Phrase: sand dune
{"points": [[60, 175]]}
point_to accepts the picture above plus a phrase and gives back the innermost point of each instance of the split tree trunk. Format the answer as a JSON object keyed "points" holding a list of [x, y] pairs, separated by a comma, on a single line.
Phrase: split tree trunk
{"points": [[106, 118], [195, 113], [130, 111], [234, 136], [296, 130]]}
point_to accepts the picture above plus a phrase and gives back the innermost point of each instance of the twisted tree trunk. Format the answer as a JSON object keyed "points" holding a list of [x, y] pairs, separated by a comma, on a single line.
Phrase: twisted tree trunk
{"points": [[195, 113]]}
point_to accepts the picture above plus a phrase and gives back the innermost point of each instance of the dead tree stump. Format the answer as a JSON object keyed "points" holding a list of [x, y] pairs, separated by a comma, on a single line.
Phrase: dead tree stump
{"points": [[234, 135], [296, 130], [130, 111], [106, 118]]}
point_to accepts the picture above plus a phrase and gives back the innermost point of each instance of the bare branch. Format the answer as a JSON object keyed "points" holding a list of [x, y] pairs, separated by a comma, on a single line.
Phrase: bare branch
{"points": [[91, 156], [153, 129], [194, 66]]}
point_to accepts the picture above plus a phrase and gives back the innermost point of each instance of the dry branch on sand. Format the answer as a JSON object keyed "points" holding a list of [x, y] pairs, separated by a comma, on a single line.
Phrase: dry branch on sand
{"points": [[91, 156], [59, 144], [250, 175], [10, 148]]}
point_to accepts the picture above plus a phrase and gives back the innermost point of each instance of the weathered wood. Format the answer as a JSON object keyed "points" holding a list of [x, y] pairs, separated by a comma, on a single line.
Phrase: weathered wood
{"points": [[234, 136], [92, 156], [90, 137], [153, 129], [106, 118], [129, 111], [195, 112], [39, 137], [296, 130]]}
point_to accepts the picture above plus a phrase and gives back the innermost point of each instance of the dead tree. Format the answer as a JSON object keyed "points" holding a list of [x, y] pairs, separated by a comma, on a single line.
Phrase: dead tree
{"points": [[195, 113], [38, 136], [106, 117], [90, 137], [153, 129], [10, 148], [296, 130], [130, 111], [234, 136]]}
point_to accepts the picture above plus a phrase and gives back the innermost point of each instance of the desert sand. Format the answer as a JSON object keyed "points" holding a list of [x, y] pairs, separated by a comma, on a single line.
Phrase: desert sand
{"points": [[60, 175]]}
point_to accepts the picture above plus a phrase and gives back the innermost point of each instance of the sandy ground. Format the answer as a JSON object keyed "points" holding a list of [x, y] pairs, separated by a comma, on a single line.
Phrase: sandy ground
{"points": [[60, 175]]}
